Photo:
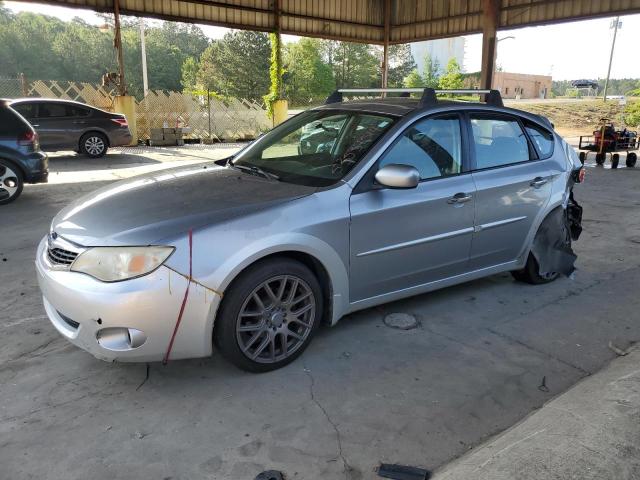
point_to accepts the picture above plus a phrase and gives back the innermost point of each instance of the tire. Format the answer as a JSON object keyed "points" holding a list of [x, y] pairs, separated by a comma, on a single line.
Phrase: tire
{"points": [[94, 144], [600, 158], [530, 273], [11, 182], [583, 157], [615, 160], [632, 158], [259, 340]]}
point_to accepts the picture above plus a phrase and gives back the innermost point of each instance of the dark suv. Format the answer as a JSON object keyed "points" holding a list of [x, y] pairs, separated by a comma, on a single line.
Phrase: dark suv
{"points": [[21, 160], [68, 125]]}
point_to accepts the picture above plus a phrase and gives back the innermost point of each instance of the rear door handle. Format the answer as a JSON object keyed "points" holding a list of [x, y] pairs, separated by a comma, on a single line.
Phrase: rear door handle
{"points": [[538, 182], [460, 198], [79, 122]]}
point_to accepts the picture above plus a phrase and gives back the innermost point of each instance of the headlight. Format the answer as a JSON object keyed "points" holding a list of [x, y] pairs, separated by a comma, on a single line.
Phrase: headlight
{"points": [[113, 264]]}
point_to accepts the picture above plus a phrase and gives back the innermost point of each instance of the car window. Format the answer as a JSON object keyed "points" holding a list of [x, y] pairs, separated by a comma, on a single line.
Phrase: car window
{"points": [[76, 111], [431, 145], [498, 142], [27, 110], [541, 137], [52, 110], [10, 123], [316, 148]]}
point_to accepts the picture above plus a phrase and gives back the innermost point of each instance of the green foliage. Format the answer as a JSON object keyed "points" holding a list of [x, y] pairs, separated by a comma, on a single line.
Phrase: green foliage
{"points": [[429, 78], [307, 77], [190, 74], [401, 64], [276, 71], [452, 78], [47, 48], [353, 64], [632, 114], [237, 65]]}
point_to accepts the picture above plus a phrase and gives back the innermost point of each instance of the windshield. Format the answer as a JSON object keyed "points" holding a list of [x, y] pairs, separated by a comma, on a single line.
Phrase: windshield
{"points": [[316, 148]]}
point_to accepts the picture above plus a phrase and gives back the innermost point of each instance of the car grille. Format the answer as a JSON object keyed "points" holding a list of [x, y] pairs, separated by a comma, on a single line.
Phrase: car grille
{"points": [[60, 256]]}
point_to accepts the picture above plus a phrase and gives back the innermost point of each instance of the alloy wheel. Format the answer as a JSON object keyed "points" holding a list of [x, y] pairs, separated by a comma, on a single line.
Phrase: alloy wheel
{"points": [[9, 182], [94, 145], [276, 319]]}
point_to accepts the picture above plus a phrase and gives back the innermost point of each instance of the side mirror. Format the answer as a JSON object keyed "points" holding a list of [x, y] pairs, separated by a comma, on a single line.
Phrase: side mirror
{"points": [[396, 175]]}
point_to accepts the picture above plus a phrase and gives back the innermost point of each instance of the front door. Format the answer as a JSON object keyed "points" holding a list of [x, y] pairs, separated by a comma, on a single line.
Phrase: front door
{"points": [[513, 186], [406, 238]]}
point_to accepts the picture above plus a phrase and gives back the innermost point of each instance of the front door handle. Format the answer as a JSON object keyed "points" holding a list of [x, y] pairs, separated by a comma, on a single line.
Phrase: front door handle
{"points": [[460, 198], [538, 182], [34, 125]]}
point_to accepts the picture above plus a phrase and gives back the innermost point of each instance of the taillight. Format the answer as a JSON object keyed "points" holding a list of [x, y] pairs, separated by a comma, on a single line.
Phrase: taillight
{"points": [[120, 121], [28, 138]]}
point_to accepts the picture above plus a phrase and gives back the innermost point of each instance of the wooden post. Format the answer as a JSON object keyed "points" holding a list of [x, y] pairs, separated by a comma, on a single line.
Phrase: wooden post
{"points": [[385, 48], [490, 20], [23, 85], [117, 43]]}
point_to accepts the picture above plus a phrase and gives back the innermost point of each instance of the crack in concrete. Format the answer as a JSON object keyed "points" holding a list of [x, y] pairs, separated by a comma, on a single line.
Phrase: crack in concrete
{"points": [[346, 468], [31, 353]]}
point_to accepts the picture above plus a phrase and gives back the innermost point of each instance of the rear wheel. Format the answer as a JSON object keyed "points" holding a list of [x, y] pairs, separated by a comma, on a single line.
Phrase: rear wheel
{"points": [[631, 159], [615, 160], [531, 273], [269, 315], [11, 182], [93, 144]]}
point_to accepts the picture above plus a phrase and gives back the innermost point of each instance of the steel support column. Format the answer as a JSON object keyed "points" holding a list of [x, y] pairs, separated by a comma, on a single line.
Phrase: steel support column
{"points": [[490, 20], [385, 47]]}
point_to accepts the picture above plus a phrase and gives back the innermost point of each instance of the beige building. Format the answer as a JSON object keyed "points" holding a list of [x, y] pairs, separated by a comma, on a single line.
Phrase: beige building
{"points": [[522, 85]]}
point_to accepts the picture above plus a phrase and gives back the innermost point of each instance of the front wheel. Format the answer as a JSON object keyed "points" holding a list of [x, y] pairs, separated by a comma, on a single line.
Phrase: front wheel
{"points": [[93, 144], [531, 273], [269, 315], [11, 182]]}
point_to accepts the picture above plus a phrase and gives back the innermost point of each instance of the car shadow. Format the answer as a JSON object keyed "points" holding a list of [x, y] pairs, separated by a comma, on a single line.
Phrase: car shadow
{"points": [[72, 162]]}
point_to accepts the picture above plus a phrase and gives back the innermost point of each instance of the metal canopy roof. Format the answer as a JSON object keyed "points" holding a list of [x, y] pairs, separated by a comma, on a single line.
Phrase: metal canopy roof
{"points": [[363, 20]]}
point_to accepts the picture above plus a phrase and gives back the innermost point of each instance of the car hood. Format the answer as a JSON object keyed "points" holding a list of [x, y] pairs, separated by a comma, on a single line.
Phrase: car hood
{"points": [[151, 208]]}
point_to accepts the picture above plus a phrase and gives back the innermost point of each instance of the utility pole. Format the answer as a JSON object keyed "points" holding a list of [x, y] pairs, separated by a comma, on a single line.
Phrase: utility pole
{"points": [[615, 24], [145, 79], [117, 43]]}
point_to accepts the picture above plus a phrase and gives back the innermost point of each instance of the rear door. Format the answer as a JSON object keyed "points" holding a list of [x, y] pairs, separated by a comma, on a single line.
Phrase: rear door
{"points": [[55, 124], [406, 238], [513, 187]]}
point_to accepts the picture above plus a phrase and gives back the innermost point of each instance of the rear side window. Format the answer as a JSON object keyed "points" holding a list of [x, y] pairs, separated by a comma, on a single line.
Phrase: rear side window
{"points": [[10, 122], [498, 141], [542, 139], [52, 110], [431, 145], [27, 110], [75, 111]]}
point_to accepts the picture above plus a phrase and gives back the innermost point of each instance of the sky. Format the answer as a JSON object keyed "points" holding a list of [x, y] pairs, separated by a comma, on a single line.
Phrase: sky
{"points": [[566, 51]]}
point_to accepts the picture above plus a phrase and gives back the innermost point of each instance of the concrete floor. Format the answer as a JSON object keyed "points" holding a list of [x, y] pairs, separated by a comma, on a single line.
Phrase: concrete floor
{"points": [[361, 394]]}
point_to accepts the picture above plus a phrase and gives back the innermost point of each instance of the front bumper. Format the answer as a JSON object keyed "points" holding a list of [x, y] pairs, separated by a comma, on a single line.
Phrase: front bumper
{"points": [[88, 313]]}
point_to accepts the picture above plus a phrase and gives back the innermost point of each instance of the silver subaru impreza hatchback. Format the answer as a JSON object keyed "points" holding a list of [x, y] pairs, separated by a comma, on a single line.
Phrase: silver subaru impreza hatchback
{"points": [[340, 208]]}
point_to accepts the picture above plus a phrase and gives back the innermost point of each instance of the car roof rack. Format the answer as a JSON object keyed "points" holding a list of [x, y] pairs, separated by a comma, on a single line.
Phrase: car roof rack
{"points": [[429, 95]]}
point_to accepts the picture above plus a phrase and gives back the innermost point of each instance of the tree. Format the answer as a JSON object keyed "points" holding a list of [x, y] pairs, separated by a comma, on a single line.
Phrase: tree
{"points": [[353, 64], [190, 74], [401, 64], [307, 77], [452, 78], [430, 76], [237, 65]]}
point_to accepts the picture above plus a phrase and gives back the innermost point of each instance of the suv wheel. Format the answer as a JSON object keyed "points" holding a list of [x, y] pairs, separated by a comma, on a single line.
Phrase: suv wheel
{"points": [[11, 182], [269, 315], [93, 144]]}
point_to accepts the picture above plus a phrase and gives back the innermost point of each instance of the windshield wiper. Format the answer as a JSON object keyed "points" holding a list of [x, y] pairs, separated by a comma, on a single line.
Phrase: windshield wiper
{"points": [[255, 170]]}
